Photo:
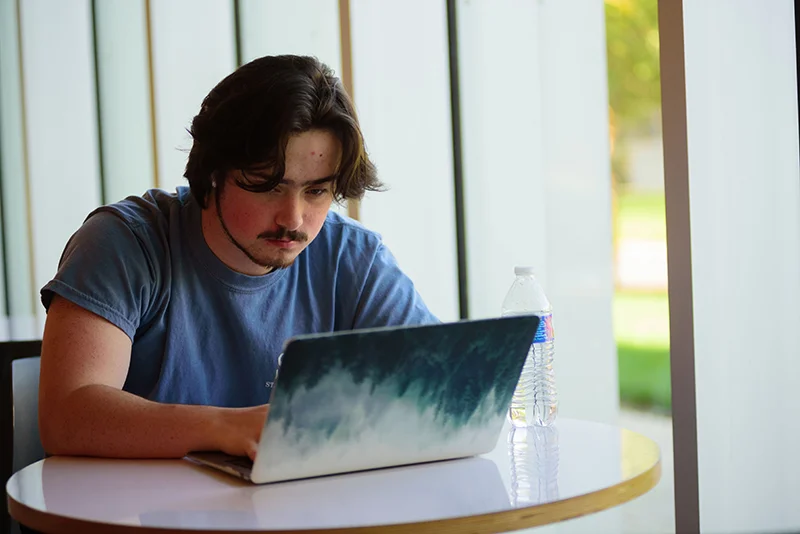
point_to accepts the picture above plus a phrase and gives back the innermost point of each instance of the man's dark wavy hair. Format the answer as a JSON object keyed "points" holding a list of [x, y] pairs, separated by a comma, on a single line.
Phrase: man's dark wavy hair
{"points": [[246, 121]]}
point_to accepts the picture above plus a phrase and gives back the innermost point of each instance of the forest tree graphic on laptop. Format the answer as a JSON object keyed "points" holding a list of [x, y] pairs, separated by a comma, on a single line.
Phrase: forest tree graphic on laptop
{"points": [[361, 400]]}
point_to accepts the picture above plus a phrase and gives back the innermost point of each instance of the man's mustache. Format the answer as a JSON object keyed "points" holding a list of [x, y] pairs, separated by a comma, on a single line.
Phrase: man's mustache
{"points": [[283, 233]]}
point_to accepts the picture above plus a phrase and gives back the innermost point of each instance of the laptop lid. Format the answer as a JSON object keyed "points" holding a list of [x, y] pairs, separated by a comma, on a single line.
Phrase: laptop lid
{"points": [[391, 396]]}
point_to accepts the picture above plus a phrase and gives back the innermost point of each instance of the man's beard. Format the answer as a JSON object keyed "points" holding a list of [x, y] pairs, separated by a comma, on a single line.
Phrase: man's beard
{"points": [[281, 233]]}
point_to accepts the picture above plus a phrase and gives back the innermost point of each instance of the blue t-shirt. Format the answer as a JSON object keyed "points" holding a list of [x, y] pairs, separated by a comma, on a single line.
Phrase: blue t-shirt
{"points": [[203, 333]]}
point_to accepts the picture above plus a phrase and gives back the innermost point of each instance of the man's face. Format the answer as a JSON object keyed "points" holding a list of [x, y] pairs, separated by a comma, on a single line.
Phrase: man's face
{"points": [[255, 232]]}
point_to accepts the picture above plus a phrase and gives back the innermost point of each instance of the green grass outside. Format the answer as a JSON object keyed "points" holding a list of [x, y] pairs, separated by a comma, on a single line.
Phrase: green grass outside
{"points": [[641, 328], [641, 319]]}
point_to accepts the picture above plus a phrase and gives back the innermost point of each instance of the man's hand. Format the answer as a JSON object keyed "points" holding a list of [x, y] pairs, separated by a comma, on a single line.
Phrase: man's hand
{"points": [[239, 429]]}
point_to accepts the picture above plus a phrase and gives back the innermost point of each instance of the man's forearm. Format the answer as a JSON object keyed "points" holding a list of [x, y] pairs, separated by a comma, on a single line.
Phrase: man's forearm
{"points": [[103, 421]]}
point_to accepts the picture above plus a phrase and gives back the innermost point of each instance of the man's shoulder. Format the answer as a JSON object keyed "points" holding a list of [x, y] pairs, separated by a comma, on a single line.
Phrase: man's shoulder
{"points": [[342, 246], [150, 210], [340, 230]]}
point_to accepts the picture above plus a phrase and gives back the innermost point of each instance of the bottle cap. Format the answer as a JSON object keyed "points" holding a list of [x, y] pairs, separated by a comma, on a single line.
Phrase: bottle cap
{"points": [[523, 270]]}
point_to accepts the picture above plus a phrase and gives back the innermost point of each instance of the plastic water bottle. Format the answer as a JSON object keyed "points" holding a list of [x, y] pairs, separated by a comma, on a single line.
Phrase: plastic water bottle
{"points": [[535, 401]]}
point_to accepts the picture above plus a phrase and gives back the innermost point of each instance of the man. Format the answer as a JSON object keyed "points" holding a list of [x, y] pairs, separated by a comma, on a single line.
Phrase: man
{"points": [[168, 312]]}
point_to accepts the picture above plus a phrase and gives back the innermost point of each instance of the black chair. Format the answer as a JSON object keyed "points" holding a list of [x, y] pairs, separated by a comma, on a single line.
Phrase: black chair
{"points": [[19, 420]]}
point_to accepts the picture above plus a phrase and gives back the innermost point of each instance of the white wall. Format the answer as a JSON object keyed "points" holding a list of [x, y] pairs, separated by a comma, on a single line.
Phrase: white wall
{"points": [[402, 91], [61, 120], [301, 27], [126, 127], [501, 115], [577, 193], [741, 92], [13, 170], [193, 50], [537, 178]]}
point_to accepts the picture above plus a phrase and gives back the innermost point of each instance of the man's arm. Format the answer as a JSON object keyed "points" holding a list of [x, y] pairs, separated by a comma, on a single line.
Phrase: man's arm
{"points": [[84, 412]]}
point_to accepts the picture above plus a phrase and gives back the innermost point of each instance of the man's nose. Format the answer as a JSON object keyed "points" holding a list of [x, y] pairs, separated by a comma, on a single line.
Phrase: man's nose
{"points": [[290, 213]]}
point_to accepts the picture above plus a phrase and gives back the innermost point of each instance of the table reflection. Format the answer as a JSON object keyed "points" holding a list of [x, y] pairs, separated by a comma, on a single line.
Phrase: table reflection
{"points": [[425, 492], [533, 454]]}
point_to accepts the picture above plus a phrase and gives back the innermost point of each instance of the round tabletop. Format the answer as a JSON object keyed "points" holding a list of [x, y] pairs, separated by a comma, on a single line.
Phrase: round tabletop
{"points": [[533, 477]]}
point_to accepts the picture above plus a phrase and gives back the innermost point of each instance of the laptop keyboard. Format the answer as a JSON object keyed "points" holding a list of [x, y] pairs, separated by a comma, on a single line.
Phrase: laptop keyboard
{"points": [[240, 461]]}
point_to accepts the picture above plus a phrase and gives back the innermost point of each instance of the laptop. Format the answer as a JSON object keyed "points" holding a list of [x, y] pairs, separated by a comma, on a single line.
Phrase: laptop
{"points": [[384, 397]]}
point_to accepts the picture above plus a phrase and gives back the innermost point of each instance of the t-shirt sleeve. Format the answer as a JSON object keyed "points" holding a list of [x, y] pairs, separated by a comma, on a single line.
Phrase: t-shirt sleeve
{"points": [[106, 269], [388, 297]]}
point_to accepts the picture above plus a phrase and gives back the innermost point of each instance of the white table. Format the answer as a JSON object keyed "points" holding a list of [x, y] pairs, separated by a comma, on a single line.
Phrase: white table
{"points": [[577, 468]]}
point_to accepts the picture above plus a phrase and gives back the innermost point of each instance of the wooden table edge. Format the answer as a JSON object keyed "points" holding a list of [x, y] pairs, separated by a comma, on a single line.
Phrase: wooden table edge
{"points": [[504, 521]]}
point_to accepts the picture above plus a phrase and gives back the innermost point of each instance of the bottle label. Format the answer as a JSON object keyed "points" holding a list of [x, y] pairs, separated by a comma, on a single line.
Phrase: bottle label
{"points": [[545, 331]]}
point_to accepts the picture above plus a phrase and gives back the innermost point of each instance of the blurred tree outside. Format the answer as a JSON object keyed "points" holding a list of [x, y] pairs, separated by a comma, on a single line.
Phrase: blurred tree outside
{"points": [[634, 76], [641, 316]]}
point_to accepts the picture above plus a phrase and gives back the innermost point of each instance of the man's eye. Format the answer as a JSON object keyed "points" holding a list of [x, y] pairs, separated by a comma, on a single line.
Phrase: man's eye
{"points": [[316, 192]]}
